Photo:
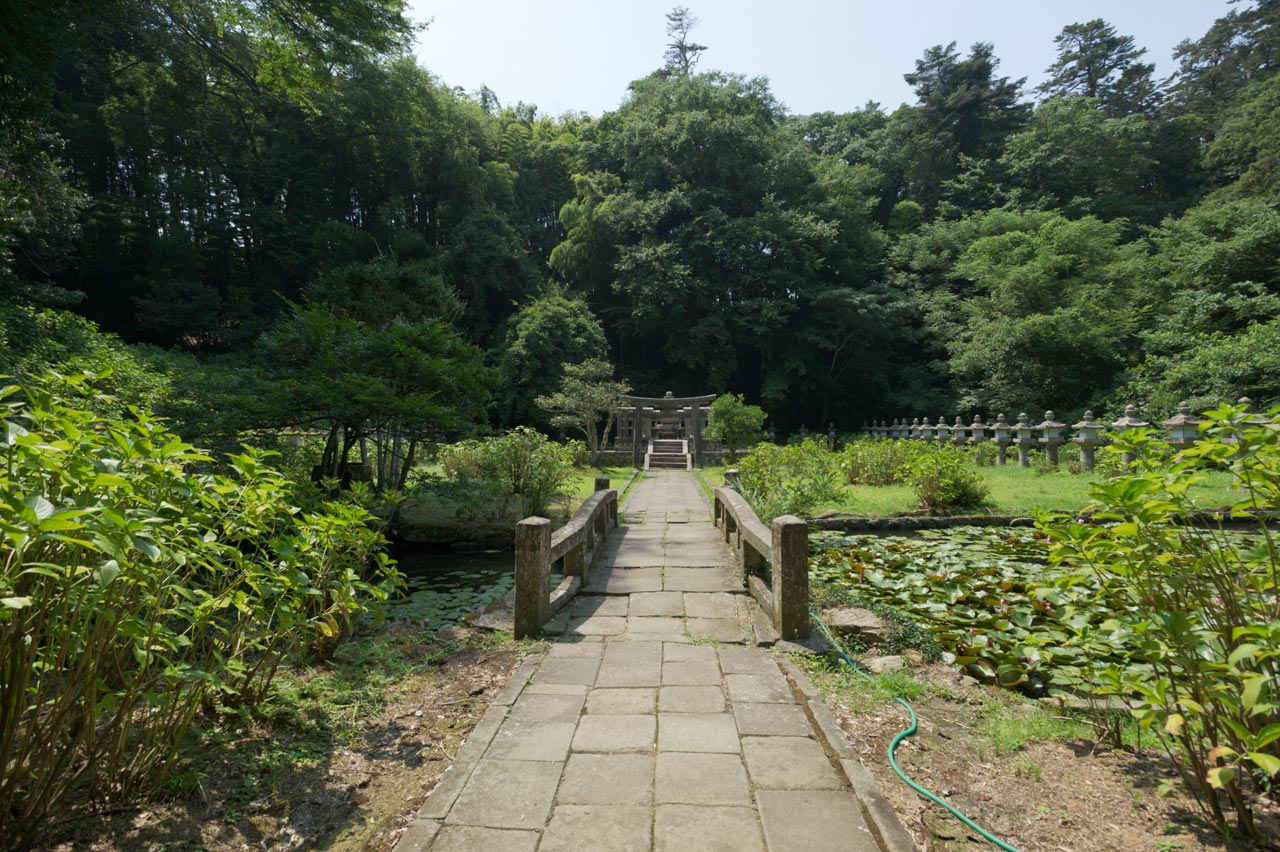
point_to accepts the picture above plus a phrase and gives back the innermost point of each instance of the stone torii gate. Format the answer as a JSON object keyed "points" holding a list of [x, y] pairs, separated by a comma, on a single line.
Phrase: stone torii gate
{"points": [[644, 414]]}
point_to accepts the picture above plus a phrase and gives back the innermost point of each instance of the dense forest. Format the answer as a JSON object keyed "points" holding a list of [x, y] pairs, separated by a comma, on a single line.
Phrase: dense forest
{"points": [[265, 213]]}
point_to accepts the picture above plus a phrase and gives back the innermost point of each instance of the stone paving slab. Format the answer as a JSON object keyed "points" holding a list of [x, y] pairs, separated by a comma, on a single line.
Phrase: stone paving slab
{"points": [[691, 699], [710, 732], [690, 828], [649, 727], [599, 828], [656, 603], [507, 794], [813, 821], [607, 779], [701, 779]]}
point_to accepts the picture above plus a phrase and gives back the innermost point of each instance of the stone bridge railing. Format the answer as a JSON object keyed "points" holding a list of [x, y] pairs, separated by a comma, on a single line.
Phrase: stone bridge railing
{"points": [[576, 543], [785, 548]]}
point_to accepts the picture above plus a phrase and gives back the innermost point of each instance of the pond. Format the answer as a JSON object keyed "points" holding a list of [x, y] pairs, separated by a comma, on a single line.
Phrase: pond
{"points": [[443, 586], [991, 599]]}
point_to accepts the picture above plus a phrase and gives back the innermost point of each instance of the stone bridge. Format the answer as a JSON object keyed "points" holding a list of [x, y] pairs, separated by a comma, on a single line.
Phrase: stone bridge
{"points": [[655, 721]]}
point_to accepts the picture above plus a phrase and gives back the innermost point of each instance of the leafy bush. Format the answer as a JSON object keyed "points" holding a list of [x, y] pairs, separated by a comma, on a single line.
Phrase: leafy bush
{"points": [[1200, 604], [523, 461], [463, 460], [945, 480], [875, 461], [985, 453], [132, 592], [734, 423], [790, 480]]}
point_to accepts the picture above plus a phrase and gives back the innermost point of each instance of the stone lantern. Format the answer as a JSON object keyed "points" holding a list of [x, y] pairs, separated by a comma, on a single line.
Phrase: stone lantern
{"points": [[831, 437], [1051, 436], [1002, 433], [926, 430], [1088, 436], [773, 433], [1251, 419], [1129, 421], [804, 430], [958, 431], [895, 428], [941, 432], [977, 430], [1184, 428], [1024, 439], [915, 428]]}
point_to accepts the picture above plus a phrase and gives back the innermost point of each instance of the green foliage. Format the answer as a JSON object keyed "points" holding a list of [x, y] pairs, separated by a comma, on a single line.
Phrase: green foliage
{"points": [[988, 600], [1197, 606], [522, 461], [134, 592], [874, 461], [547, 333], [34, 341], [944, 480], [788, 480], [372, 356], [587, 400], [734, 423]]}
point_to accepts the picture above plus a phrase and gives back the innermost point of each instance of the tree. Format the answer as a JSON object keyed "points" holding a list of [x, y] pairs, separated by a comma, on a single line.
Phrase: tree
{"points": [[1241, 47], [734, 423], [682, 54], [963, 110], [542, 337], [1077, 158], [588, 398], [372, 355], [1097, 62]]}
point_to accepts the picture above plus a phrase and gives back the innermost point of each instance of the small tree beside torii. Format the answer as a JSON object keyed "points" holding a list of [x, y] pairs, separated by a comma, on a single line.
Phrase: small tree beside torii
{"points": [[588, 397]]}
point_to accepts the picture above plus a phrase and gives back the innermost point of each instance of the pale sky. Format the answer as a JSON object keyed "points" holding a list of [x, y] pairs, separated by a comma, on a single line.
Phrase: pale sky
{"points": [[819, 55]]}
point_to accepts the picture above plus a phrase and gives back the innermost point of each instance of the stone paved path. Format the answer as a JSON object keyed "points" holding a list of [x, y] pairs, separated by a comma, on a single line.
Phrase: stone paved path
{"points": [[652, 724]]}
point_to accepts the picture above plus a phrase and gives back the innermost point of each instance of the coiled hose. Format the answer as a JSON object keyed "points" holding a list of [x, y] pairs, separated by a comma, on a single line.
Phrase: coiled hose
{"points": [[893, 747]]}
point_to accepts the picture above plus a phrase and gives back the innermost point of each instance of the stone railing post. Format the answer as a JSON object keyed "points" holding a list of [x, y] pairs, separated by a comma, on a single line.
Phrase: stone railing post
{"points": [[1089, 438], [533, 576], [1131, 420], [1002, 434], [1024, 440], [1051, 436], [791, 577]]}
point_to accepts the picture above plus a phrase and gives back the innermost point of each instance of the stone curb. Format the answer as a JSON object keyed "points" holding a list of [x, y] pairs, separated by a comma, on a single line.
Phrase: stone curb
{"points": [[879, 814]]}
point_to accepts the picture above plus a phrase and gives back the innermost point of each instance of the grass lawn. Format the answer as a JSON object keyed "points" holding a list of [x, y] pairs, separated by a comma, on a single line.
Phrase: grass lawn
{"points": [[1013, 490]]}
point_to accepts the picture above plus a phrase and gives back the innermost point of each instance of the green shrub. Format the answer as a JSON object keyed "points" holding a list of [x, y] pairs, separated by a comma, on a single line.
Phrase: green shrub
{"points": [[944, 480], [985, 453], [790, 480], [522, 461], [463, 460], [876, 461], [133, 592], [1199, 604]]}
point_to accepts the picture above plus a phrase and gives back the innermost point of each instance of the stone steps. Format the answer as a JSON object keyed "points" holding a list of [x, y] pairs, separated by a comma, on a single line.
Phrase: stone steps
{"points": [[666, 461]]}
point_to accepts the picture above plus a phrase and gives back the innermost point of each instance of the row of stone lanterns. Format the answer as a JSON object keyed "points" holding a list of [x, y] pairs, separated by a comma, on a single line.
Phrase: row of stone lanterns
{"points": [[1049, 433]]}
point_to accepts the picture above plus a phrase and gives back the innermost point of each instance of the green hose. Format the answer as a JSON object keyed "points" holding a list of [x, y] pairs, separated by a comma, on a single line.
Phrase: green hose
{"points": [[893, 747]]}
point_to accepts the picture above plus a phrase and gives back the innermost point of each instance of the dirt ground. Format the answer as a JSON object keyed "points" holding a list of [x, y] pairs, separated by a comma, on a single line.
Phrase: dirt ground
{"points": [[1072, 796], [357, 796]]}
